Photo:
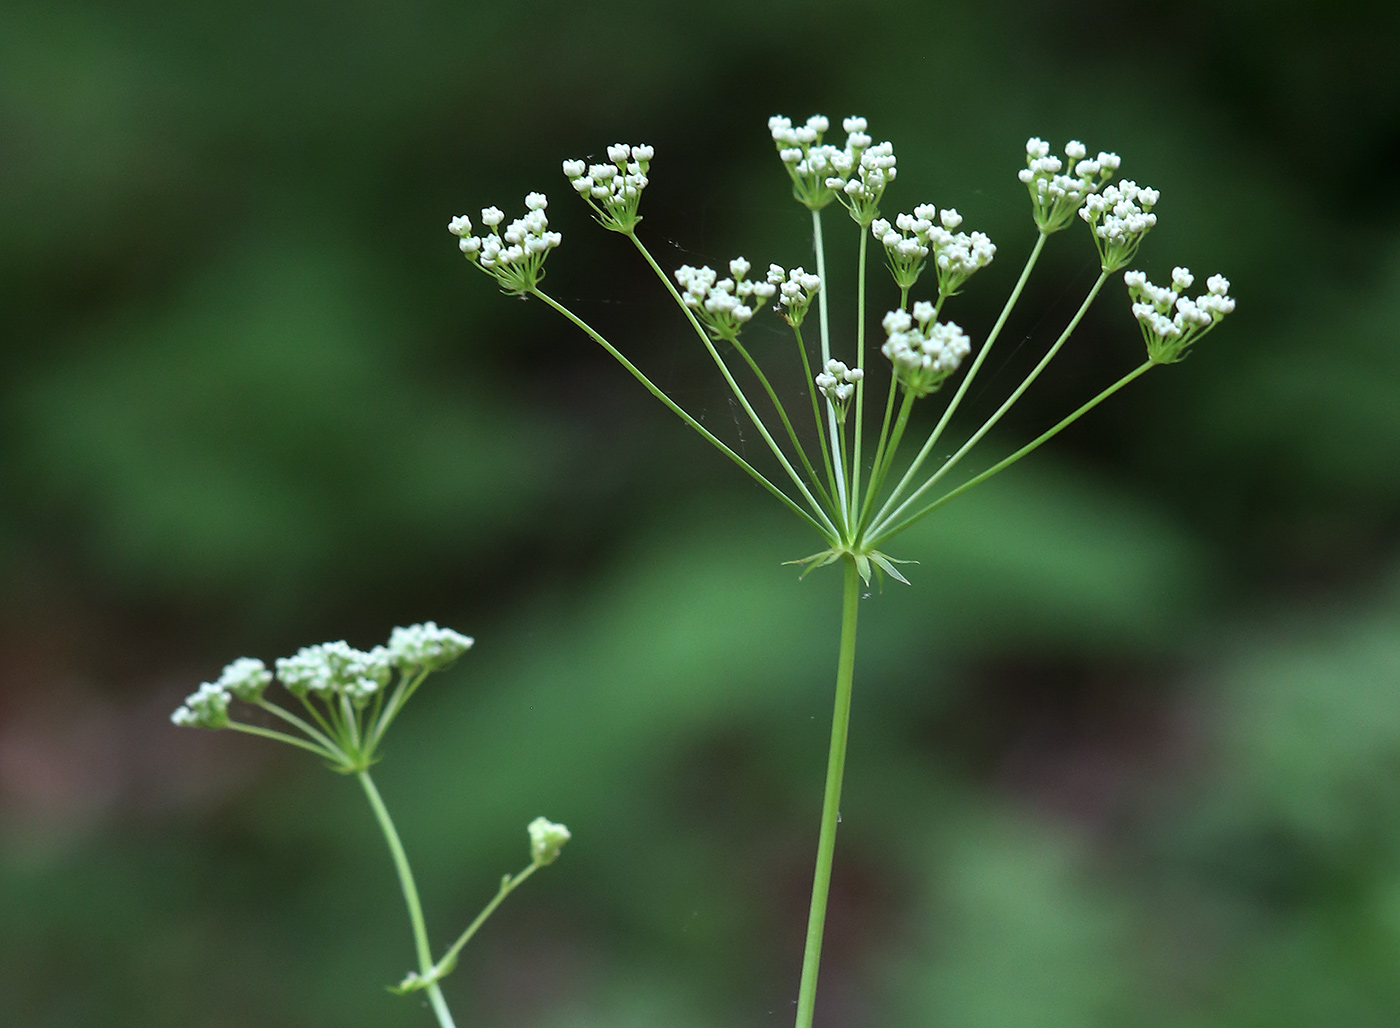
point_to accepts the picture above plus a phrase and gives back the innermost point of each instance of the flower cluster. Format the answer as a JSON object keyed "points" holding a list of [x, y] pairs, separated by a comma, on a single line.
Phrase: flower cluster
{"points": [[345, 691], [796, 292], [547, 838], [806, 158], [515, 258], [861, 172], [913, 237], [333, 669], [857, 173], [923, 350], [1120, 216], [1168, 335], [723, 305], [614, 189], [426, 646], [1056, 195], [838, 384], [207, 707]]}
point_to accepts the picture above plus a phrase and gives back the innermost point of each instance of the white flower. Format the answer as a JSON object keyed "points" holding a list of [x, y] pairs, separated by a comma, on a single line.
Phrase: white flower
{"points": [[613, 190], [1120, 216], [1055, 196], [207, 707]]}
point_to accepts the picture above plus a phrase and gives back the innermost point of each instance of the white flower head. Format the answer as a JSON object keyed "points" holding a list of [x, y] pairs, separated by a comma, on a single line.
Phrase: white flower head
{"points": [[207, 707], [514, 257], [923, 351], [426, 647], [1056, 194], [246, 678], [613, 189], [1120, 216], [724, 305], [547, 838], [1170, 322]]}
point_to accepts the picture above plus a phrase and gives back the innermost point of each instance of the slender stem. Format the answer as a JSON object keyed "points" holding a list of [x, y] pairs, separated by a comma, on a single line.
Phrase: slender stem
{"points": [[316, 716], [1001, 465], [410, 897], [816, 409], [976, 437], [837, 463], [824, 530], [782, 413], [508, 885], [882, 468], [271, 733], [292, 719], [860, 386], [932, 441], [876, 466], [831, 802], [729, 380]]}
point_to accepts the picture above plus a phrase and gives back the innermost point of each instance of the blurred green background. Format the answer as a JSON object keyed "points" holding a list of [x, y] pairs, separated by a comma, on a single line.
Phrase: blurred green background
{"points": [[1127, 753]]}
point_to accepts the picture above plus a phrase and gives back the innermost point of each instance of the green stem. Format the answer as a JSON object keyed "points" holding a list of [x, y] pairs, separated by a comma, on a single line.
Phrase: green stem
{"points": [[860, 386], [816, 409], [508, 885], [269, 733], [932, 441], [838, 469], [733, 385], [410, 897], [292, 719], [782, 413], [1001, 465], [831, 802], [651, 387], [951, 462]]}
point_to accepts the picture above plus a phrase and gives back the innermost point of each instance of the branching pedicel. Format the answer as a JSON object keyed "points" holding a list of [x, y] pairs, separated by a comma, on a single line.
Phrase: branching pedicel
{"points": [[350, 698], [841, 491]]}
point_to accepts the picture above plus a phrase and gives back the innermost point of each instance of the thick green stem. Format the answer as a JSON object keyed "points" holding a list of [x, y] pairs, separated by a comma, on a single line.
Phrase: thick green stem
{"points": [[410, 898], [831, 802], [1006, 462]]}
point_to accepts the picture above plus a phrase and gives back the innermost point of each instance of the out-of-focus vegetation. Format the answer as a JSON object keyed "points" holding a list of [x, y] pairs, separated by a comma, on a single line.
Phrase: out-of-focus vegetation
{"points": [[1127, 753]]}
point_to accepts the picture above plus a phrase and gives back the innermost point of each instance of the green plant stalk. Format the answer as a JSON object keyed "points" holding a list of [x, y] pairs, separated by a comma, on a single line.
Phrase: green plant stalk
{"points": [[860, 386], [508, 885], [268, 733], [816, 410], [1006, 462], [410, 898], [831, 802], [787, 424], [680, 412], [826, 356], [729, 380], [932, 441], [292, 719], [987, 426]]}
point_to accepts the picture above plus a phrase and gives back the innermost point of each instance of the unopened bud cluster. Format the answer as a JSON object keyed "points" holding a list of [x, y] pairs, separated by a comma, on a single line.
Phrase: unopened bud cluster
{"points": [[1120, 216], [838, 384], [724, 305], [857, 173], [346, 690], [515, 257], [547, 838], [1171, 322], [1055, 194], [613, 189], [796, 291], [913, 237], [923, 350]]}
